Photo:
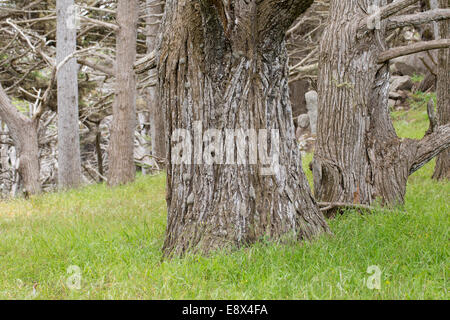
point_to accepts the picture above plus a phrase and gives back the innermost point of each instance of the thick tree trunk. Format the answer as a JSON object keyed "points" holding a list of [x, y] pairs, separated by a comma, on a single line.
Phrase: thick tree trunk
{"points": [[158, 139], [442, 170], [69, 160], [24, 135], [359, 157], [122, 169], [224, 67]]}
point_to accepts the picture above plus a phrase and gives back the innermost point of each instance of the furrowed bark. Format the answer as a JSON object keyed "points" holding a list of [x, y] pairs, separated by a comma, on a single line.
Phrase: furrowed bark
{"points": [[225, 67], [442, 170]]}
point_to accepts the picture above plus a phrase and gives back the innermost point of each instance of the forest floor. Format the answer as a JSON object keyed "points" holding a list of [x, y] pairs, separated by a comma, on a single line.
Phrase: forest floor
{"points": [[111, 239]]}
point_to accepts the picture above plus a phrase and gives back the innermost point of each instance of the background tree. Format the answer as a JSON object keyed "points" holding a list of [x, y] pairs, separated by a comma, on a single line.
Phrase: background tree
{"points": [[24, 133], [69, 160], [224, 64], [359, 158], [158, 139], [27, 58], [122, 169]]}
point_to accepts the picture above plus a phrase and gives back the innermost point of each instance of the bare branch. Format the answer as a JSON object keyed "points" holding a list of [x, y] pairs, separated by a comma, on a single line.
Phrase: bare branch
{"points": [[413, 48], [418, 18], [430, 146]]}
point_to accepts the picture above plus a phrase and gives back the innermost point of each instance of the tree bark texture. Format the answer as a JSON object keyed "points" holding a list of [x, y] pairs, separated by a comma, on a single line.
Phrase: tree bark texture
{"points": [[224, 65], [359, 157], [122, 168], [69, 159], [442, 170], [25, 137]]}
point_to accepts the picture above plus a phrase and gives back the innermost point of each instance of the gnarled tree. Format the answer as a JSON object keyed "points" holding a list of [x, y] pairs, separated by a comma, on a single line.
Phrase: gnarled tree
{"points": [[24, 134], [223, 64], [359, 157]]}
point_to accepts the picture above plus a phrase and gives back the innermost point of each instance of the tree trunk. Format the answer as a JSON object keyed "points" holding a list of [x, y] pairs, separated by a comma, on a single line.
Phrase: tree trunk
{"points": [[69, 161], [158, 139], [442, 170], [122, 169], [98, 151], [24, 134], [224, 67], [359, 158]]}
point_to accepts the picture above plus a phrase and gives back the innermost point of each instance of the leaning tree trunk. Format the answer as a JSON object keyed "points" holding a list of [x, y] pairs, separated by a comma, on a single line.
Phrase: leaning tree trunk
{"points": [[24, 134], [122, 169], [442, 170], [359, 158], [224, 67], [69, 160], [158, 139]]}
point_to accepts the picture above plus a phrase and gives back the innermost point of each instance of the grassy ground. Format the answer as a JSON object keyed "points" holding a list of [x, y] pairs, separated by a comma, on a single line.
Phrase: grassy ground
{"points": [[114, 239]]}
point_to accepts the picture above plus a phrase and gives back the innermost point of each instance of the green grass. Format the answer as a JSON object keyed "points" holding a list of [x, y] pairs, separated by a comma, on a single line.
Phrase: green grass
{"points": [[115, 237]]}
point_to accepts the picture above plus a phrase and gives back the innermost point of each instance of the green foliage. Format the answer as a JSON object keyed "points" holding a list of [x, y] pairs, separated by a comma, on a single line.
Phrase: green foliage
{"points": [[413, 123], [115, 237], [420, 99], [21, 105], [417, 78], [40, 75]]}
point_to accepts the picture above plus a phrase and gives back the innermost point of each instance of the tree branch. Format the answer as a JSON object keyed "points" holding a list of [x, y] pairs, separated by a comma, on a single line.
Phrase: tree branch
{"points": [[326, 206], [418, 18], [98, 67], [111, 26], [430, 146], [413, 48], [391, 9], [386, 12]]}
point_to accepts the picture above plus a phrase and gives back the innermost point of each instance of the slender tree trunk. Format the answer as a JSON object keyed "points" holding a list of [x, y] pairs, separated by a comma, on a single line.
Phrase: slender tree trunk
{"points": [[359, 158], [24, 135], [224, 67], [442, 170], [98, 150], [69, 160], [122, 169], [158, 139]]}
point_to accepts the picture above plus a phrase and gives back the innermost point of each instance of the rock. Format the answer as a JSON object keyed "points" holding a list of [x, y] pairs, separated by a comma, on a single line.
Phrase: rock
{"points": [[303, 121], [395, 96], [411, 64], [392, 103], [400, 83], [312, 104]]}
